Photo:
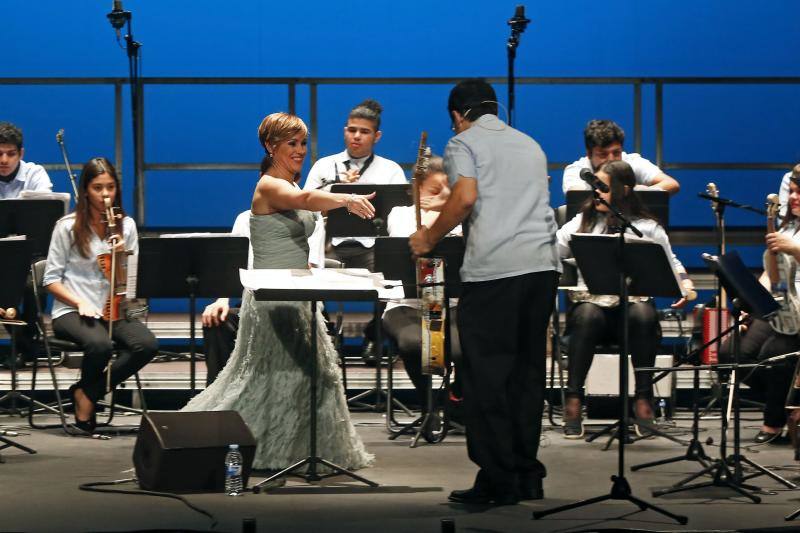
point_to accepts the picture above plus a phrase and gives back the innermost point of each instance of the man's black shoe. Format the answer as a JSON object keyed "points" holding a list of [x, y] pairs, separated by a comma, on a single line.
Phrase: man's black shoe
{"points": [[531, 488], [475, 496], [763, 437]]}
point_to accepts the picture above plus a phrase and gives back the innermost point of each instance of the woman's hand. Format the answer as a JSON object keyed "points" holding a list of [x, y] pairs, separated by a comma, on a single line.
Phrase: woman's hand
{"points": [[780, 242], [215, 313], [359, 204], [88, 310]]}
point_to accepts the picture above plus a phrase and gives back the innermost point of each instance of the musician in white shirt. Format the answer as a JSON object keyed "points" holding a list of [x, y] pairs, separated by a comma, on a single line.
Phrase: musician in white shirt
{"points": [[760, 340], [593, 318], [358, 163], [604, 140]]}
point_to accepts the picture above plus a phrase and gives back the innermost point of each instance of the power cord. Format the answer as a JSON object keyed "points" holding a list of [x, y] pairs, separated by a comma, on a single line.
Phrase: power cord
{"points": [[98, 486]]}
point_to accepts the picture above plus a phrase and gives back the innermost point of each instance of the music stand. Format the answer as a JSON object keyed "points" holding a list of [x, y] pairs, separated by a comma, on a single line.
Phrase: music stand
{"points": [[33, 218], [656, 202], [750, 296], [342, 224], [613, 265], [191, 267], [393, 259], [16, 263], [312, 296]]}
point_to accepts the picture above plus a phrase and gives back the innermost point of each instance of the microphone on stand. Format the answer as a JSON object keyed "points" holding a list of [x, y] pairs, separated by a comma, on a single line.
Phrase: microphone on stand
{"points": [[593, 181], [118, 16]]}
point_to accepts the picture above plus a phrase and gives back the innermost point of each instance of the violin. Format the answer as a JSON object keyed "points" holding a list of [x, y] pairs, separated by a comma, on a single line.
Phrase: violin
{"points": [[114, 265]]}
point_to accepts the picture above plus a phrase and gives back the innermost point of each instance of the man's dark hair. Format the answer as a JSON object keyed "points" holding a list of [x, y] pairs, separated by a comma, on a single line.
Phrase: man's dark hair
{"points": [[10, 134], [368, 110], [601, 133], [472, 99]]}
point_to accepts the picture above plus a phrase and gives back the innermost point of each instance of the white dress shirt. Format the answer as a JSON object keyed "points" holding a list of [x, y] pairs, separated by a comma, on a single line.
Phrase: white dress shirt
{"points": [[30, 177], [643, 169]]}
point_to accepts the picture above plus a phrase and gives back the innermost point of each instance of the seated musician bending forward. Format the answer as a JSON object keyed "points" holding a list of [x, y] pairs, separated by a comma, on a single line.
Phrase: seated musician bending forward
{"points": [[402, 320], [594, 319], [761, 339], [81, 290]]}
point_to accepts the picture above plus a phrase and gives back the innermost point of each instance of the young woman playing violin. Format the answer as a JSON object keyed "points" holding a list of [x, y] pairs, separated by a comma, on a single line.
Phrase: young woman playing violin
{"points": [[82, 290]]}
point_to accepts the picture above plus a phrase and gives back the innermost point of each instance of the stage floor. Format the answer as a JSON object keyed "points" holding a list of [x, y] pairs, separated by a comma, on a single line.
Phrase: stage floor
{"points": [[40, 492]]}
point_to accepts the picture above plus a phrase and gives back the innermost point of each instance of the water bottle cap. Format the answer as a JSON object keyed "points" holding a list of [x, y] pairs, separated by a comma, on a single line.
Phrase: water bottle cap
{"points": [[233, 446]]}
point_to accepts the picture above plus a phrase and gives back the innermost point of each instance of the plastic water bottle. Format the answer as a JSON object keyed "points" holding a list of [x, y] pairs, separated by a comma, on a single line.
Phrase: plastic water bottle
{"points": [[233, 471], [662, 410]]}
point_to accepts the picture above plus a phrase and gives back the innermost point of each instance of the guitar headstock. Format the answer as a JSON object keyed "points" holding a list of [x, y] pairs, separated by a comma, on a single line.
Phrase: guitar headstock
{"points": [[773, 206], [423, 158], [711, 190]]}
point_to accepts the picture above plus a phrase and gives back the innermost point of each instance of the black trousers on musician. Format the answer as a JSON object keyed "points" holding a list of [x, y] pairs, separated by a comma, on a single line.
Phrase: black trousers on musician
{"points": [[218, 342], [403, 325], [136, 346], [760, 342], [589, 324], [503, 329]]}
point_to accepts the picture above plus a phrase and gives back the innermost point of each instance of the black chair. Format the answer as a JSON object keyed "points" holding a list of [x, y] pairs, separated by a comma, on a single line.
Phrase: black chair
{"points": [[51, 344]]}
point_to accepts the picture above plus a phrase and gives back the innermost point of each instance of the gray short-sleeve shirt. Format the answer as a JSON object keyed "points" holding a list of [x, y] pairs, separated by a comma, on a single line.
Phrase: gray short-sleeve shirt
{"points": [[511, 229]]}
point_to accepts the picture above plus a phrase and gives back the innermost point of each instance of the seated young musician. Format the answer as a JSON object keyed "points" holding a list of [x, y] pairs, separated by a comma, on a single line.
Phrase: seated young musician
{"points": [[760, 341], [593, 319], [81, 290], [402, 318]]}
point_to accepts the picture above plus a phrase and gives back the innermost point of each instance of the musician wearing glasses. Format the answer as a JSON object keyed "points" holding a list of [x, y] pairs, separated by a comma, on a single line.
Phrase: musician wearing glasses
{"points": [[604, 141], [761, 339], [81, 290]]}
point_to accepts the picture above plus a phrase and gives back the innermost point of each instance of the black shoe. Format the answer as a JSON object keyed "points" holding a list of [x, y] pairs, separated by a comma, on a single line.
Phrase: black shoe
{"points": [[87, 426], [368, 355], [530, 488], [475, 496], [763, 437]]}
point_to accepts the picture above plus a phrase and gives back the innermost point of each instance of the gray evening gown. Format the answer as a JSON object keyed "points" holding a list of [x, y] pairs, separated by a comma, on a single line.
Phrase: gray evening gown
{"points": [[266, 378]]}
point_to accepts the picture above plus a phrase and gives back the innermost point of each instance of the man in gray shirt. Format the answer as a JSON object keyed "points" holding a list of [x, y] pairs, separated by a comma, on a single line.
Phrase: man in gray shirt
{"points": [[498, 177]]}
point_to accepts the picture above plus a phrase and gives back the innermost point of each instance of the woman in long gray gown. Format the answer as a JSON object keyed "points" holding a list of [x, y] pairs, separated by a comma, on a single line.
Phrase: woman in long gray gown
{"points": [[266, 378]]}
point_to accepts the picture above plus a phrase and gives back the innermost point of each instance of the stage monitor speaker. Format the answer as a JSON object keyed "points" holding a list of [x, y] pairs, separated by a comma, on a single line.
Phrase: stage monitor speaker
{"points": [[185, 452]]}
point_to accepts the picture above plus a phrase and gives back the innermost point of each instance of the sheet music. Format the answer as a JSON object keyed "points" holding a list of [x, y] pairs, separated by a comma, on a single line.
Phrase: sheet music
{"points": [[194, 235], [47, 195], [14, 238], [133, 264], [342, 279], [667, 253]]}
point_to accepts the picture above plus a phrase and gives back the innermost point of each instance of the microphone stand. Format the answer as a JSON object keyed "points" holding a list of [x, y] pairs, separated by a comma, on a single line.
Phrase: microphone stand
{"points": [[518, 24], [620, 489], [119, 18]]}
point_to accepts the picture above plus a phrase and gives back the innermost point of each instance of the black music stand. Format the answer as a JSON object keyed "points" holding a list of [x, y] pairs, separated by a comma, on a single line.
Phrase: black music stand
{"points": [[343, 224], [33, 218], [191, 267], [748, 295], [656, 202], [393, 259], [312, 296], [16, 263], [619, 267]]}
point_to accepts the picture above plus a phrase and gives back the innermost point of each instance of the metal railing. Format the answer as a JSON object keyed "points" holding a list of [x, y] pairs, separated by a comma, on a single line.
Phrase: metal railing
{"points": [[313, 84]]}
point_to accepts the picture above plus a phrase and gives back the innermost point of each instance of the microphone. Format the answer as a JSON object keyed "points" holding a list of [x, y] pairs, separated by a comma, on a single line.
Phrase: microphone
{"points": [[118, 16], [593, 181], [519, 22]]}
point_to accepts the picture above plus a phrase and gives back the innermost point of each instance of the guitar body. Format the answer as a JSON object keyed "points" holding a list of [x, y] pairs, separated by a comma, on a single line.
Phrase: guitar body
{"points": [[430, 283]]}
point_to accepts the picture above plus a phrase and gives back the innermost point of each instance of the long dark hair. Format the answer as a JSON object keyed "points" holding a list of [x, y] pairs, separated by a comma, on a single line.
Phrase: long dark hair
{"points": [[82, 229], [625, 200]]}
